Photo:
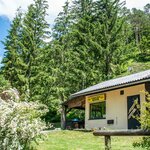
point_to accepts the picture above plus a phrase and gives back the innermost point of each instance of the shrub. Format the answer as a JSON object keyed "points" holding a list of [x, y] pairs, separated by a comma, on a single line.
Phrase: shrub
{"points": [[145, 118], [145, 123], [20, 122], [4, 84]]}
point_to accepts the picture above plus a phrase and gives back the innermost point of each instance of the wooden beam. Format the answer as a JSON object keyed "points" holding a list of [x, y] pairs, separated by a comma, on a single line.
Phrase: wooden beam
{"points": [[122, 133], [77, 102]]}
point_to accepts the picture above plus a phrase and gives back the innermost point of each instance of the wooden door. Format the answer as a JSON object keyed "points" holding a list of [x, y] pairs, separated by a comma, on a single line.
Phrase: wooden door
{"points": [[133, 109]]}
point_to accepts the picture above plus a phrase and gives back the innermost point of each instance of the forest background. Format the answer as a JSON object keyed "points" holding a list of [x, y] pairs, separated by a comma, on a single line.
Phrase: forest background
{"points": [[90, 42]]}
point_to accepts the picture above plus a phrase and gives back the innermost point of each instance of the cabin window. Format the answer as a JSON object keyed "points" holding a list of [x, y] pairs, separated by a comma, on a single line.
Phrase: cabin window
{"points": [[98, 110]]}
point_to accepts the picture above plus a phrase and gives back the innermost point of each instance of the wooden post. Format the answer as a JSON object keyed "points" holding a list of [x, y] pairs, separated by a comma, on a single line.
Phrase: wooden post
{"points": [[110, 133], [107, 142], [63, 118]]}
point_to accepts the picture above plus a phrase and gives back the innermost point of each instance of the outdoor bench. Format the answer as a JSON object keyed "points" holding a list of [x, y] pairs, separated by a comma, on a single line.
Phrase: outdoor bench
{"points": [[108, 133]]}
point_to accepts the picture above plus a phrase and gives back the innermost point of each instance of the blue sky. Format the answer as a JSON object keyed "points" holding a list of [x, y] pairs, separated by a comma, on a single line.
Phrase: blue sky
{"points": [[9, 7], [7, 13], [4, 26]]}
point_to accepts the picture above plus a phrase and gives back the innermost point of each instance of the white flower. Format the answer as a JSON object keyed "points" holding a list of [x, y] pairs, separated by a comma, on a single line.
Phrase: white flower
{"points": [[20, 123]]}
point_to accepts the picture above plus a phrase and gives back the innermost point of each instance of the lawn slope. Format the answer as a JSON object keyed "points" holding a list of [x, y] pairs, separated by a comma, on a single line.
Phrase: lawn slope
{"points": [[75, 140]]}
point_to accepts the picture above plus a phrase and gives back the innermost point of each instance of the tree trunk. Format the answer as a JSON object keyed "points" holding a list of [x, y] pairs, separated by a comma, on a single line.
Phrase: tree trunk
{"points": [[63, 118], [136, 36]]}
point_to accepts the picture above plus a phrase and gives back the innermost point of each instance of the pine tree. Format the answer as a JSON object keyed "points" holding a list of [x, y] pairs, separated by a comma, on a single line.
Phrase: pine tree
{"points": [[12, 62], [145, 40], [62, 22], [81, 8], [140, 26], [24, 64], [108, 33], [69, 54], [97, 37], [34, 33]]}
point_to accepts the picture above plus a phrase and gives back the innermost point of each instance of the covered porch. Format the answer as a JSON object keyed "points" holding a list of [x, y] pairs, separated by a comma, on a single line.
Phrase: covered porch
{"points": [[77, 103]]}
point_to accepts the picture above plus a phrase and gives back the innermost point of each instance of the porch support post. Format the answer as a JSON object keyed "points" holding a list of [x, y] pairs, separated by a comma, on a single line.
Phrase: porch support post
{"points": [[63, 117]]}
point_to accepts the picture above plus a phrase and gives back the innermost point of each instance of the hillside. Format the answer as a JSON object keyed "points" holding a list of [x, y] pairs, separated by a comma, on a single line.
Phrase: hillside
{"points": [[140, 66]]}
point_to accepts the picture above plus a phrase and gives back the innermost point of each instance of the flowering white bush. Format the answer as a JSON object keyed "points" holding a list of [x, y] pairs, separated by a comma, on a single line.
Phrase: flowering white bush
{"points": [[20, 122]]}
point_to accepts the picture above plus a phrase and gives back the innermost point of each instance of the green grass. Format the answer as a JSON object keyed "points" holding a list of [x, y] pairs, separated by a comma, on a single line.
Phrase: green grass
{"points": [[75, 140]]}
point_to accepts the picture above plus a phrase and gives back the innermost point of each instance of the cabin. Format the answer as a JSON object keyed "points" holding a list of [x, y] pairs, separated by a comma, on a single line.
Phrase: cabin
{"points": [[113, 104]]}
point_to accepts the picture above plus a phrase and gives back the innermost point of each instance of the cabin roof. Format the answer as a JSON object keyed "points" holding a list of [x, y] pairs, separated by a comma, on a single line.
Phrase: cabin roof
{"points": [[129, 80]]}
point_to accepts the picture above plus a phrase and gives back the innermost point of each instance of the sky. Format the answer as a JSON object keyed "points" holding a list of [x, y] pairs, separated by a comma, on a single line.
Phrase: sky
{"points": [[8, 9]]}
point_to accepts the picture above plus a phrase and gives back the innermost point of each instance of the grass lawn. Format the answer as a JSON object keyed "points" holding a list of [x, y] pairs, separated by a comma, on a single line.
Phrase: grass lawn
{"points": [[75, 140]]}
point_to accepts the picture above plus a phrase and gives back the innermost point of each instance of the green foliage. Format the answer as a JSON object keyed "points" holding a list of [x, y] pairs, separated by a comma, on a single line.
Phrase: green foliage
{"points": [[145, 123], [145, 118], [79, 114], [140, 24], [4, 84], [145, 143], [34, 32], [91, 41], [11, 60], [139, 66], [20, 122], [25, 46], [85, 44], [145, 48]]}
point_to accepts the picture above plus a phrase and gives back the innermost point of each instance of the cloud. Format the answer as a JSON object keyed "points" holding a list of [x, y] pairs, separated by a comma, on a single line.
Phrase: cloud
{"points": [[9, 7], [139, 4]]}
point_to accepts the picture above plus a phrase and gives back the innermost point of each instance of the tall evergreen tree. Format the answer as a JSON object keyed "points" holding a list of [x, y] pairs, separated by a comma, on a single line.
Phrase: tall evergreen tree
{"points": [[88, 46], [145, 41], [99, 36], [108, 30], [62, 22], [69, 62], [81, 8], [140, 26], [26, 47], [11, 60], [35, 29]]}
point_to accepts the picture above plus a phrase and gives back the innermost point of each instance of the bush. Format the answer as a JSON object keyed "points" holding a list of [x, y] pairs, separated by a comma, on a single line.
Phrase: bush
{"points": [[145, 123], [4, 84], [20, 122], [145, 118]]}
